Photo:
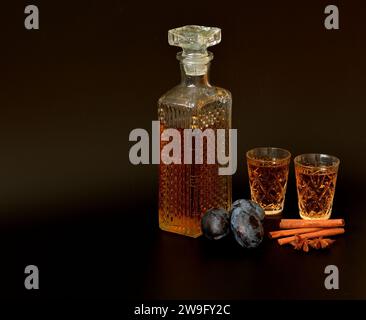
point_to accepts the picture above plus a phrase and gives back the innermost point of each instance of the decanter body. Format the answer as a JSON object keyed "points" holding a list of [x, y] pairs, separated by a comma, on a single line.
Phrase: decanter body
{"points": [[186, 191]]}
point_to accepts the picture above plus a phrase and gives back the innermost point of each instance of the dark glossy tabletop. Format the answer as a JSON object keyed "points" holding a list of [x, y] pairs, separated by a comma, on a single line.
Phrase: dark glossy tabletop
{"points": [[110, 250]]}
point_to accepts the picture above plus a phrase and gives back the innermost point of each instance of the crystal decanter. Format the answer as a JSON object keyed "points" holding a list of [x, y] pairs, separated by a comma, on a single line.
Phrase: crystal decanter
{"points": [[186, 191]]}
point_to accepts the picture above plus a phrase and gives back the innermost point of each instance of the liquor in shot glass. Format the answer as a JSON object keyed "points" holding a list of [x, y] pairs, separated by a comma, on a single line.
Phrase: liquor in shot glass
{"points": [[316, 176], [268, 171]]}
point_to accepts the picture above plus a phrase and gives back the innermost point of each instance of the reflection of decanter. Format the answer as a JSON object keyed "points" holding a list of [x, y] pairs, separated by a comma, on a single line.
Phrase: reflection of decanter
{"points": [[186, 191]]}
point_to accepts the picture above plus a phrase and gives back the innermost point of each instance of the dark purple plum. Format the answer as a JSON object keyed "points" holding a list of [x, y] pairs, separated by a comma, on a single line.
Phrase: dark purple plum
{"points": [[249, 207], [246, 227], [215, 224]]}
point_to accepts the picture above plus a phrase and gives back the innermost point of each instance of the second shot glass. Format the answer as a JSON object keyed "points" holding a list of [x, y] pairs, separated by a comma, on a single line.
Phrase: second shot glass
{"points": [[316, 176], [268, 172]]}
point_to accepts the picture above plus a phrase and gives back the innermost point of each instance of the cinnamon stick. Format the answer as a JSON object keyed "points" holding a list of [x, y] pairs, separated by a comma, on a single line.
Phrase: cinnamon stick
{"points": [[300, 223], [316, 234], [291, 232]]}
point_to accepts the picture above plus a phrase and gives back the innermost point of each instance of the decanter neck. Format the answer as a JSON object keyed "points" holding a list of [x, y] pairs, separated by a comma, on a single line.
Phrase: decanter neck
{"points": [[195, 68], [194, 80]]}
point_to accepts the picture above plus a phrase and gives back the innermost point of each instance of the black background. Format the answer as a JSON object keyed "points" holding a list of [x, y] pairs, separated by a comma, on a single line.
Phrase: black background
{"points": [[70, 93]]}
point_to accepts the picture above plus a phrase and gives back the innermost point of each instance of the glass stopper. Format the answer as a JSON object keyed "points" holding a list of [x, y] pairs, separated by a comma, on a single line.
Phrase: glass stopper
{"points": [[194, 39]]}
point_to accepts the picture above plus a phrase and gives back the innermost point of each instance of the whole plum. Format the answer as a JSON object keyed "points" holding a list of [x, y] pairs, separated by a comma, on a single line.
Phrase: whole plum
{"points": [[215, 224], [247, 228]]}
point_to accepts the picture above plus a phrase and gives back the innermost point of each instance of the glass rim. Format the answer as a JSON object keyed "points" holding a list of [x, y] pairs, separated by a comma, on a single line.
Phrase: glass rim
{"points": [[329, 156], [286, 158]]}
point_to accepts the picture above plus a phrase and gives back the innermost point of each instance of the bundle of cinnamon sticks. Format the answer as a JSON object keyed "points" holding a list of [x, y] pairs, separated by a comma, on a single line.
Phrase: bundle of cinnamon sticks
{"points": [[298, 229]]}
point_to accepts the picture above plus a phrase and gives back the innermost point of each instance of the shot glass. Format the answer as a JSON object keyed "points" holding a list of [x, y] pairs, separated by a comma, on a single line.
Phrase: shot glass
{"points": [[268, 172], [316, 176]]}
